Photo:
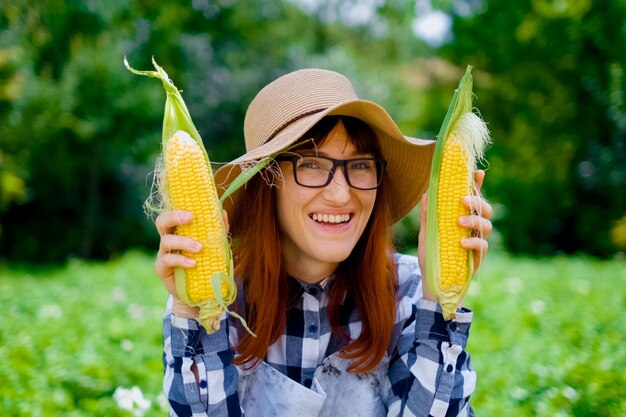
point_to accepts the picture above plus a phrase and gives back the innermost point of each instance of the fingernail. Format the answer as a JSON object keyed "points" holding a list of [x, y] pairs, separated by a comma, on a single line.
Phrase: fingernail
{"points": [[464, 220], [190, 262], [196, 246], [465, 241]]}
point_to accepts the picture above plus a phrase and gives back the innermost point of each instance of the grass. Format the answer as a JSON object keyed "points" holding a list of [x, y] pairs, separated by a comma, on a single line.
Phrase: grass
{"points": [[71, 336], [547, 339]]}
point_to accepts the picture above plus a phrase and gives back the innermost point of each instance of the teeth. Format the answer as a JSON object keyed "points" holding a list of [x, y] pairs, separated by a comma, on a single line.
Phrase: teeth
{"points": [[331, 218]]}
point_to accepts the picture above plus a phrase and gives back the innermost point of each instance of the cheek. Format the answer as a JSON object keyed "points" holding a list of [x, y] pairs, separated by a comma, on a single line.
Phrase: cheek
{"points": [[289, 203], [368, 200]]}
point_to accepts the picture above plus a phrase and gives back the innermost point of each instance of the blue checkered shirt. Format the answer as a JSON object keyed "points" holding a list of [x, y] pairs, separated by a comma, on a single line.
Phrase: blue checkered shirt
{"points": [[428, 373]]}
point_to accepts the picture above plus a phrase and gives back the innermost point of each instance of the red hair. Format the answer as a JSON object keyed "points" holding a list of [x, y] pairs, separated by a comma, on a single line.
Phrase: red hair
{"points": [[367, 278]]}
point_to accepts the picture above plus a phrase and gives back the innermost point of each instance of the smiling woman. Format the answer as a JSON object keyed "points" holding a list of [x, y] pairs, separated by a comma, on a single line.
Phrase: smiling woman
{"points": [[318, 228], [343, 325]]}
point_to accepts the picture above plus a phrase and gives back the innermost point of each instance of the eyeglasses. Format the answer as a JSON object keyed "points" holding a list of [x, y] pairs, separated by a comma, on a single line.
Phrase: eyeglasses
{"points": [[318, 171]]}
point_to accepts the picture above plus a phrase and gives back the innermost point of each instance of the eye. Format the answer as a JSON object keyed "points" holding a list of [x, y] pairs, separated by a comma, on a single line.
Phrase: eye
{"points": [[311, 163], [362, 165]]}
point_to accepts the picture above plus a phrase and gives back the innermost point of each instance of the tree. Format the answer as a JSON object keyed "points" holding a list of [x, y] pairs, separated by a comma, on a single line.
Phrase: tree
{"points": [[551, 85], [79, 134]]}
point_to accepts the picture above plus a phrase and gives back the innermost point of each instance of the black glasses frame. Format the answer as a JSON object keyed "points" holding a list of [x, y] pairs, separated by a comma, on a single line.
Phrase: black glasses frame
{"points": [[380, 163]]}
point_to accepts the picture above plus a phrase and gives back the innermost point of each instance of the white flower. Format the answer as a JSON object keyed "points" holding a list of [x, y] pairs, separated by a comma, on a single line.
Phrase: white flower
{"points": [[126, 345], [537, 307], [131, 400], [123, 399], [519, 393], [570, 393]]}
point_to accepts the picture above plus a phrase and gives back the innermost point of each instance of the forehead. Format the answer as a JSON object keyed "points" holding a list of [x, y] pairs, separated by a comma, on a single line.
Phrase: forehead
{"points": [[345, 134]]}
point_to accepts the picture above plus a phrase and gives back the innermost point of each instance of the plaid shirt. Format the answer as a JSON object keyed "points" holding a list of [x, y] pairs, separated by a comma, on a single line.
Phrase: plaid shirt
{"points": [[428, 372]]}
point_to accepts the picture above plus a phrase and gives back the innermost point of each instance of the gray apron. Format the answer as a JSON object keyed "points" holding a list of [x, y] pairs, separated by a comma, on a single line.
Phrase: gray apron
{"points": [[265, 392]]}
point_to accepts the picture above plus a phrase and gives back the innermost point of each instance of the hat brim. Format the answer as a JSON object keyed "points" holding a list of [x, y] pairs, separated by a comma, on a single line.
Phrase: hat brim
{"points": [[408, 159]]}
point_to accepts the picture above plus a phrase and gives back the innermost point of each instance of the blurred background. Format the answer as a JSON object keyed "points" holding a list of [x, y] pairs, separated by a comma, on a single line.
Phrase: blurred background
{"points": [[79, 136]]}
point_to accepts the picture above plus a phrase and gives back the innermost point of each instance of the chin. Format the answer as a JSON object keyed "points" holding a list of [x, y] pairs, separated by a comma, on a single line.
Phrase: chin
{"points": [[335, 257]]}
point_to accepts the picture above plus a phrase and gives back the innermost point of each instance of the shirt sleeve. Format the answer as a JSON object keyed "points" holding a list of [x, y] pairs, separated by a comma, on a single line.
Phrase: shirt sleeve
{"points": [[187, 345], [431, 373]]}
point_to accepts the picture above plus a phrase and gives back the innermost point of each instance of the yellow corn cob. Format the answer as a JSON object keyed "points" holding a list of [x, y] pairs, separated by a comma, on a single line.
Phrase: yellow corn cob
{"points": [[460, 144], [190, 187], [454, 184]]}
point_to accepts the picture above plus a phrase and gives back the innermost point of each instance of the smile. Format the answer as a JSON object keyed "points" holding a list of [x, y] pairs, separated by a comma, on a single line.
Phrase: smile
{"points": [[330, 218]]}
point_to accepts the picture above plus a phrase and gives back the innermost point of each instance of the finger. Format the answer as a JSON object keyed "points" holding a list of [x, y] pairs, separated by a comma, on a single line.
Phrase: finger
{"points": [[478, 205], [168, 220], [479, 177], [479, 249], [476, 244], [480, 226], [165, 266], [171, 243], [167, 261]]}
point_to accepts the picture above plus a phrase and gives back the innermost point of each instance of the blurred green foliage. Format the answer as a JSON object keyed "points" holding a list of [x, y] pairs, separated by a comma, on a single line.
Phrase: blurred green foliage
{"points": [[547, 338], [79, 134], [71, 335]]}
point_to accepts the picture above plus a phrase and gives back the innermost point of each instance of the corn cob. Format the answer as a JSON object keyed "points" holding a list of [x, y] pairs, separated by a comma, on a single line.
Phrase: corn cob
{"points": [[187, 184], [190, 186], [461, 143]]}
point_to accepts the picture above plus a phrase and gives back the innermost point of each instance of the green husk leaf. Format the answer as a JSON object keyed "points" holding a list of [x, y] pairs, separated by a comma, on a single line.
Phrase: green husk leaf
{"points": [[180, 277], [176, 116]]}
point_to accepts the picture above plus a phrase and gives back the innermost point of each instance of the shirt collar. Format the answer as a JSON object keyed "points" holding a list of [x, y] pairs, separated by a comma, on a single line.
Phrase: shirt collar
{"points": [[317, 289]]}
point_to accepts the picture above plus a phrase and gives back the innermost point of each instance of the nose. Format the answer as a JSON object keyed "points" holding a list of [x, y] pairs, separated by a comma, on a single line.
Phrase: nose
{"points": [[337, 191]]}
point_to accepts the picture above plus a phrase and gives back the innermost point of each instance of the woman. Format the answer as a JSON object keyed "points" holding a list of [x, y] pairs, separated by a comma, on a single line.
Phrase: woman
{"points": [[344, 325]]}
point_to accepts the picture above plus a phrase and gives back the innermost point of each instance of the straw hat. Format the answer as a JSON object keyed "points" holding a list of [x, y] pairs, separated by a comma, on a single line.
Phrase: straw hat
{"points": [[284, 110]]}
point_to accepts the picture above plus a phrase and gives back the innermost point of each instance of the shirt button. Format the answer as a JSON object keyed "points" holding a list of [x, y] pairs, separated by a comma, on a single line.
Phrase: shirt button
{"points": [[453, 326], [203, 384], [312, 328], [450, 368]]}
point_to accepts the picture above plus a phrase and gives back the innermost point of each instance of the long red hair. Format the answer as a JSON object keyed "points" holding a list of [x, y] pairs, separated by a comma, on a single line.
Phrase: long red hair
{"points": [[367, 277]]}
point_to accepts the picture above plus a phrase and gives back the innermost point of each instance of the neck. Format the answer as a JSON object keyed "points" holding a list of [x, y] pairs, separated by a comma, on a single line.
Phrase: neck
{"points": [[310, 272]]}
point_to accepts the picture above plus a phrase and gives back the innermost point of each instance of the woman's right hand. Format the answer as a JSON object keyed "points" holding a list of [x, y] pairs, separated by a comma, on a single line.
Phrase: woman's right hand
{"points": [[169, 256]]}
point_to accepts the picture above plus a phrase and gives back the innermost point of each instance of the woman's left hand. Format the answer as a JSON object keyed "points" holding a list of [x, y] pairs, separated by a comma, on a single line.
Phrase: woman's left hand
{"points": [[478, 222]]}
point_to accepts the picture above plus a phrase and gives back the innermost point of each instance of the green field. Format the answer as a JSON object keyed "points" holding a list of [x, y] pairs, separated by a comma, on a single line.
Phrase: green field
{"points": [[547, 340]]}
